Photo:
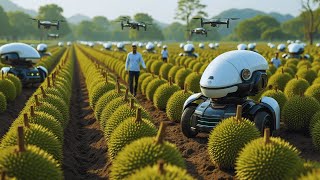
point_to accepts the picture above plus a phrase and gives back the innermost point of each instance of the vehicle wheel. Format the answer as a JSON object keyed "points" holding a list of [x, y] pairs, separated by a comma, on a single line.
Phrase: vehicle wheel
{"points": [[263, 120], [186, 122], [43, 74]]}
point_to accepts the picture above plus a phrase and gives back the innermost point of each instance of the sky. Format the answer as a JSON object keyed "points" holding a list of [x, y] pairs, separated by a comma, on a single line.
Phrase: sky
{"points": [[162, 10]]}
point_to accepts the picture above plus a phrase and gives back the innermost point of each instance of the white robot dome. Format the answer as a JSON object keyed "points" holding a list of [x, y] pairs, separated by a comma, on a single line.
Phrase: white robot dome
{"points": [[140, 44], [120, 45], [69, 43], [107, 45], [230, 69], [24, 51], [318, 44], [181, 45], [251, 46], [201, 45], [164, 46], [216, 44], [42, 47], [150, 46], [295, 48], [211, 45], [159, 45], [90, 44], [60, 44], [242, 47], [281, 47], [189, 48]]}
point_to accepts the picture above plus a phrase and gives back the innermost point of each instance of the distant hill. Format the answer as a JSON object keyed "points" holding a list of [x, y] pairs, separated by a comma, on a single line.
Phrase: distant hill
{"points": [[7, 5], [77, 18], [246, 14]]}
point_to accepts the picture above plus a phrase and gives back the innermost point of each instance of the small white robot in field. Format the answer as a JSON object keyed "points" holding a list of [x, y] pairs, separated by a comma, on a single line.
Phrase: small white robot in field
{"points": [[189, 51]]}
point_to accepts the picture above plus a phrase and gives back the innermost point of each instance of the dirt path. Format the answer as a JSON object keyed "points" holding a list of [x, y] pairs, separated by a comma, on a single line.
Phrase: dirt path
{"points": [[85, 151], [13, 109]]}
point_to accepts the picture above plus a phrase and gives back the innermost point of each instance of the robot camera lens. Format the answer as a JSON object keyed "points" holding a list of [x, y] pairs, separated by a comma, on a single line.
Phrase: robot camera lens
{"points": [[245, 74]]}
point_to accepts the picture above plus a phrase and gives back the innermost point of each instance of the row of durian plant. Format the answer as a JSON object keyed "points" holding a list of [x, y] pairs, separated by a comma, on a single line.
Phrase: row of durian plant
{"points": [[11, 86], [295, 110], [32, 148], [135, 146]]}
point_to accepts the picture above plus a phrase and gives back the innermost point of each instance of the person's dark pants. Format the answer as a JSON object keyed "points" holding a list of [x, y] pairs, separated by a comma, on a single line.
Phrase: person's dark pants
{"points": [[165, 59], [133, 75]]}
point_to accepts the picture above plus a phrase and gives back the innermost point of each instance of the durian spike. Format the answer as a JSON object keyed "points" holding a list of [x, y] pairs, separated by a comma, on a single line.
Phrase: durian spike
{"points": [[48, 82], [26, 120], [185, 90], [239, 113], [138, 115], [32, 111], [297, 77], [21, 139], [3, 175], [131, 103], [160, 134], [37, 100], [43, 92], [161, 166], [126, 95], [266, 136]]}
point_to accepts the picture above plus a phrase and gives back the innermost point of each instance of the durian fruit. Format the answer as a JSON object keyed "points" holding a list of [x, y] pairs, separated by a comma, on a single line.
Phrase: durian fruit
{"points": [[99, 90], [17, 83], [35, 135], [141, 78], [161, 171], [28, 162], [279, 80], [193, 82], [122, 113], [145, 152], [175, 104], [3, 103], [272, 69], [313, 175], [228, 138], [307, 74], [155, 67], [298, 111], [55, 91], [276, 94], [164, 70], [204, 67], [268, 158], [196, 67], [163, 93], [315, 134], [315, 118], [173, 71], [145, 83], [8, 89], [111, 107], [309, 166], [304, 63], [286, 70], [316, 81], [153, 86], [128, 131], [181, 75], [313, 91], [106, 99], [295, 87]]}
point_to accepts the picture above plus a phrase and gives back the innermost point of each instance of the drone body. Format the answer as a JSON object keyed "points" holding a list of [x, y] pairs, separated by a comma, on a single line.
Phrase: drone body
{"points": [[54, 36], [126, 22], [48, 24], [201, 31], [216, 22]]}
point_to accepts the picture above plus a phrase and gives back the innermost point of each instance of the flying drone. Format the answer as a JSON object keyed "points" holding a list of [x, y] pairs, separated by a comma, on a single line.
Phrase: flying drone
{"points": [[48, 24], [126, 22], [201, 31], [55, 36], [216, 22]]}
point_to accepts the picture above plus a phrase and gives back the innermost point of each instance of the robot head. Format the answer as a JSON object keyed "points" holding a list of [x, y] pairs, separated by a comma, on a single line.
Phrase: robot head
{"points": [[150, 46], [298, 41], [120, 45], [188, 48], [42, 48], [159, 45], [295, 48], [238, 73], [60, 44], [211, 46], [201, 45], [251, 46], [107, 45], [318, 44], [69, 43], [14, 53], [281, 47], [217, 45], [90, 44], [242, 47], [140, 45], [181, 45]]}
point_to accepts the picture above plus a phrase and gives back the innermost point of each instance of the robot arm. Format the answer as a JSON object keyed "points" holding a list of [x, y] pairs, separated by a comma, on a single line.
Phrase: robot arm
{"points": [[192, 99]]}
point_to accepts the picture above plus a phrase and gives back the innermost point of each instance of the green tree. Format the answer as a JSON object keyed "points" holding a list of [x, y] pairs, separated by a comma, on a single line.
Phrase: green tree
{"points": [[189, 8], [84, 30], [294, 27], [4, 24], [21, 26], [174, 32], [311, 19], [54, 12], [274, 34]]}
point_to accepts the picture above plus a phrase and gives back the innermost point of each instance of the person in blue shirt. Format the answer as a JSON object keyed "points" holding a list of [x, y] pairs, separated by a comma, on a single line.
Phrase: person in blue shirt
{"points": [[164, 54], [134, 59]]}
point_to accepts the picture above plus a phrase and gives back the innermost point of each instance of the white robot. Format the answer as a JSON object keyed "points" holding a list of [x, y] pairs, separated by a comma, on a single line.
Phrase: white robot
{"points": [[21, 58], [211, 46], [252, 47], [227, 82], [296, 51], [69, 43], [216, 45], [189, 51], [181, 45], [91, 44], [42, 49], [149, 48], [120, 47], [140, 45], [60, 44], [281, 47], [242, 47], [107, 46], [201, 45]]}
